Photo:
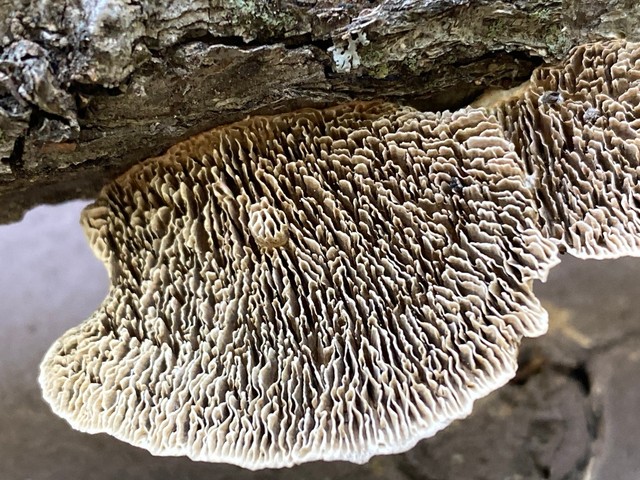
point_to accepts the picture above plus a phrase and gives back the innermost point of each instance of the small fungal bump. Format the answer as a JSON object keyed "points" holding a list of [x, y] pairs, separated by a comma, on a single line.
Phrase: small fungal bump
{"points": [[268, 225]]}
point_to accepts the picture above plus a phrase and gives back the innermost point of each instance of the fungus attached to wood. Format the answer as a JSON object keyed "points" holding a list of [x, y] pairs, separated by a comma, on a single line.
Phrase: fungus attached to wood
{"points": [[584, 152], [342, 283]]}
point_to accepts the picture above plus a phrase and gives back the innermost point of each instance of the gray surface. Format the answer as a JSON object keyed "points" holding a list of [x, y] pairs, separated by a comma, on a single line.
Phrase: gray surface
{"points": [[570, 414]]}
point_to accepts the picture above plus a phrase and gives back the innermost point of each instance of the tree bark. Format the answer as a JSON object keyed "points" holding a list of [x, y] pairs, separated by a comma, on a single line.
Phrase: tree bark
{"points": [[88, 88]]}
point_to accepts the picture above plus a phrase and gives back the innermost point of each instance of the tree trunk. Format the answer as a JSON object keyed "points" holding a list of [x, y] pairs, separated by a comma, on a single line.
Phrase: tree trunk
{"points": [[88, 88]]}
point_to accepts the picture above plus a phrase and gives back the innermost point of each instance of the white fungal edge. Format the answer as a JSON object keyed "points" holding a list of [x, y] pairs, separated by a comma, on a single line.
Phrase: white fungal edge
{"points": [[318, 454], [603, 254]]}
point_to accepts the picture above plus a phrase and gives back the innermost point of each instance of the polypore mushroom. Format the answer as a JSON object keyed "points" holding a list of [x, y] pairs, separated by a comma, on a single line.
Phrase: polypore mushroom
{"points": [[342, 283], [583, 150]]}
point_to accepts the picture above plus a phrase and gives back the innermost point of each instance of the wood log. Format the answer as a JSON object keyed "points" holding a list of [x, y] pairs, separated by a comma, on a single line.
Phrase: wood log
{"points": [[89, 88]]}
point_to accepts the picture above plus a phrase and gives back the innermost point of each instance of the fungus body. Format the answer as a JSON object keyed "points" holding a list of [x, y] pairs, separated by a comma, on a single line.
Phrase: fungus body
{"points": [[584, 150], [335, 284]]}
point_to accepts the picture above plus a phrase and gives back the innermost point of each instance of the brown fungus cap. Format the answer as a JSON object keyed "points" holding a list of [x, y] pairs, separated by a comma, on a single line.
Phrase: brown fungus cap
{"points": [[338, 284]]}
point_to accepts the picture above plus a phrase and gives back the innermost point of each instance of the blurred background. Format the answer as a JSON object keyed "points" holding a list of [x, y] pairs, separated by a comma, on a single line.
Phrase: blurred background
{"points": [[571, 412]]}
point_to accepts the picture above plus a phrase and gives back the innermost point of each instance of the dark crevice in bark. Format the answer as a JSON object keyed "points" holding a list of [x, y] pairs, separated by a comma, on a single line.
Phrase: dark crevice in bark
{"points": [[15, 159]]}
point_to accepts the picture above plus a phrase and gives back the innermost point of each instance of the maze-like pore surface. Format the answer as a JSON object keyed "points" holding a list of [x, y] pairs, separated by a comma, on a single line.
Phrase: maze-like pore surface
{"points": [[319, 285], [576, 128]]}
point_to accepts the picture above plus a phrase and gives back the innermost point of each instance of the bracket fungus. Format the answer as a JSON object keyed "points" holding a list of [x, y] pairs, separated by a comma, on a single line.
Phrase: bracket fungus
{"points": [[335, 284]]}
